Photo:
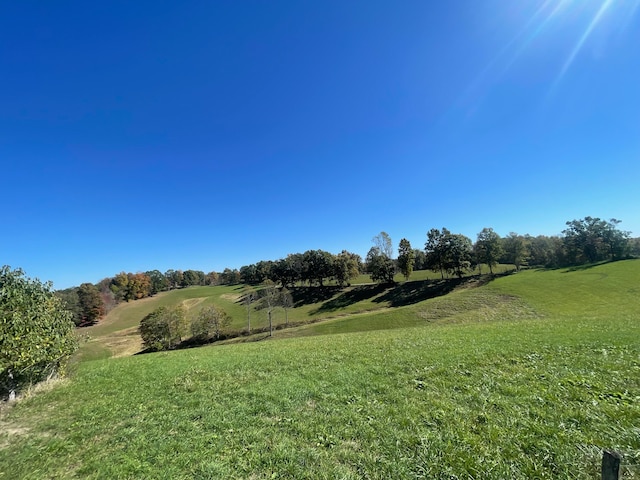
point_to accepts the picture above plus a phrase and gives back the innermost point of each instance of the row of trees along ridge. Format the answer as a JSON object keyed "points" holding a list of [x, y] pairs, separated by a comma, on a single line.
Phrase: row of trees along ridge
{"points": [[582, 241]]}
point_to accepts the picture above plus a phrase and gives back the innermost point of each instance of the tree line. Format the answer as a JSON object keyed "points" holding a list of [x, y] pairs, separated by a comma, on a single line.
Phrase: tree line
{"points": [[583, 241], [451, 254], [89, 302], [313, 267]]}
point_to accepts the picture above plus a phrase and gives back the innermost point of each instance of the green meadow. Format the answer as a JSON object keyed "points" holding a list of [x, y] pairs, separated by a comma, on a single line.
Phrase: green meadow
{"points": [[117, 334], [528, 375]]}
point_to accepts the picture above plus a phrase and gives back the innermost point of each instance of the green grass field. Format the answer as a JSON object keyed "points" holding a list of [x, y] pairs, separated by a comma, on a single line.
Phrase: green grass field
{"points": [[528, 376], [117, 334]]}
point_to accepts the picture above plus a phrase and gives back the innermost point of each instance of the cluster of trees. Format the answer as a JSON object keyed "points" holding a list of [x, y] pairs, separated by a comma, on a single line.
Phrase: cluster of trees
{"points": [[446, 252], [85, 303], [585, 240], [133, 286], [592, 239], [167, 327], [312, 267], [379, 263], [36, 332]]}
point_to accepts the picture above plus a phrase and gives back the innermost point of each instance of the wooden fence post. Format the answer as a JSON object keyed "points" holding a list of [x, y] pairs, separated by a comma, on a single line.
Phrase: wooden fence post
{"points": [[611, 465]]}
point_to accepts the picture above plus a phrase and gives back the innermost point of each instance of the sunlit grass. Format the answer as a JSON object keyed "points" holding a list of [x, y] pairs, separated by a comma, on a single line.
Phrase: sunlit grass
{"points": [[117, 334], [526, 377]]}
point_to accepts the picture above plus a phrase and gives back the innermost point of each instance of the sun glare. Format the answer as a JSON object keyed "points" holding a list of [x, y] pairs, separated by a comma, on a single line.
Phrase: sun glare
{"points": [[618, 12], [573, 22], [606, 5]]}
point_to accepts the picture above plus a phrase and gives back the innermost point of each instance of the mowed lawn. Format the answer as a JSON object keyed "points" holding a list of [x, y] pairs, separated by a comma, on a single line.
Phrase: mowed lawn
{"points": [[529, 376]]}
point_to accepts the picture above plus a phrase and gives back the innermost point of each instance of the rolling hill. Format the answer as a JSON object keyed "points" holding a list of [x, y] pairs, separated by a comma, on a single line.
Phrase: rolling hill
{"points": [[526, 376]]}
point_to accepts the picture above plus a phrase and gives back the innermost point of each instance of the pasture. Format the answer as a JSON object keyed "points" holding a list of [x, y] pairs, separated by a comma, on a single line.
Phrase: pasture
{"points": [[527, 376], [117, 334]]}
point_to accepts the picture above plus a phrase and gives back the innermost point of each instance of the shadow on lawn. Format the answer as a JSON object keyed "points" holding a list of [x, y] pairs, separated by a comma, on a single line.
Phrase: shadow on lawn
{"points": [[307, 295], [354, 295], [399, 295], [413, 292], [589, 266]]}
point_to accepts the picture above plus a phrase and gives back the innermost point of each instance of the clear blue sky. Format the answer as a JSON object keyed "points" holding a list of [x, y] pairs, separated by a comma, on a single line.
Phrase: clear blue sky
{"points": [[212, 134]]}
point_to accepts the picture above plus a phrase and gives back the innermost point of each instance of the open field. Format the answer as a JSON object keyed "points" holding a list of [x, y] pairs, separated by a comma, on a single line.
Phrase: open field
{"points": [[528, 376], [117, 334]]}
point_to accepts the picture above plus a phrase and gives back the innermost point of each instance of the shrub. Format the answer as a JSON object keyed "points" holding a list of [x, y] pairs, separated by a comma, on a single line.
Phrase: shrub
{"points": [[209, 322], [37, 333], [163, 328]]}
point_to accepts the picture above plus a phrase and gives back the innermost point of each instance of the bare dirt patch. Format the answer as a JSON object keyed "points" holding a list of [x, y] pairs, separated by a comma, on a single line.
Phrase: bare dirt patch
{"points": [[10, 432], [193, 302], [233, 297], [122, 343]]}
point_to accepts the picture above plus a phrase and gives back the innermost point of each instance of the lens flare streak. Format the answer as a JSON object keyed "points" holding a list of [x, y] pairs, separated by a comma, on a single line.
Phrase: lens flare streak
{"points": [[592, 25]]}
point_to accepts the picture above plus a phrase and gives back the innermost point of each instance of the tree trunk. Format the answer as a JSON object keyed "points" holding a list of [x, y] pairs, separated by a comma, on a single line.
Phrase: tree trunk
{"points": [[270, 325]]}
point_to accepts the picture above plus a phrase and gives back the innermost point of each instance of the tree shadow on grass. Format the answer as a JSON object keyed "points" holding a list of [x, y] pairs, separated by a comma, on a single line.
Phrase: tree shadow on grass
{"points": [[589, 266], [354, 295], [395, 295], [409, 293], [307, 295]]}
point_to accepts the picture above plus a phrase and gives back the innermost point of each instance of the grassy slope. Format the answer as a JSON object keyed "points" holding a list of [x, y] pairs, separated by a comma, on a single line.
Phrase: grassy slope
{"points": [[532, 395], [589, 293], [117, 335]]}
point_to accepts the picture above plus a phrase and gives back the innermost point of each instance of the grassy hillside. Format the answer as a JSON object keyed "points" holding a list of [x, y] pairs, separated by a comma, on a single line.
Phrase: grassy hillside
{"points": [[587, 293], [525, 377], [117, 334]]}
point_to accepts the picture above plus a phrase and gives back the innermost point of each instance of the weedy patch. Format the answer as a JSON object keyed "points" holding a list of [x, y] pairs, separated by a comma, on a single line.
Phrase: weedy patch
{"points": [[10, 432]]}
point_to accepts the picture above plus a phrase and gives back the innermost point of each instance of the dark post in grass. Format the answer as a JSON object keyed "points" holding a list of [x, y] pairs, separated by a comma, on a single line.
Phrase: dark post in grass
{"points": [[611, 465]]}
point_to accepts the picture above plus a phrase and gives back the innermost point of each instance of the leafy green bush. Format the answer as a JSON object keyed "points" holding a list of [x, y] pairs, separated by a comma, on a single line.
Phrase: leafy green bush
{"points": [[163, 328], [36, 332], [209, 322]]}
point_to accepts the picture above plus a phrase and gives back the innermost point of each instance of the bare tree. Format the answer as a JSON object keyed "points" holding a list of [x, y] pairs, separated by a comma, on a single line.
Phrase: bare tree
{"points": [[384, 244], [248, 300], [286, 300], [270, 296]]}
